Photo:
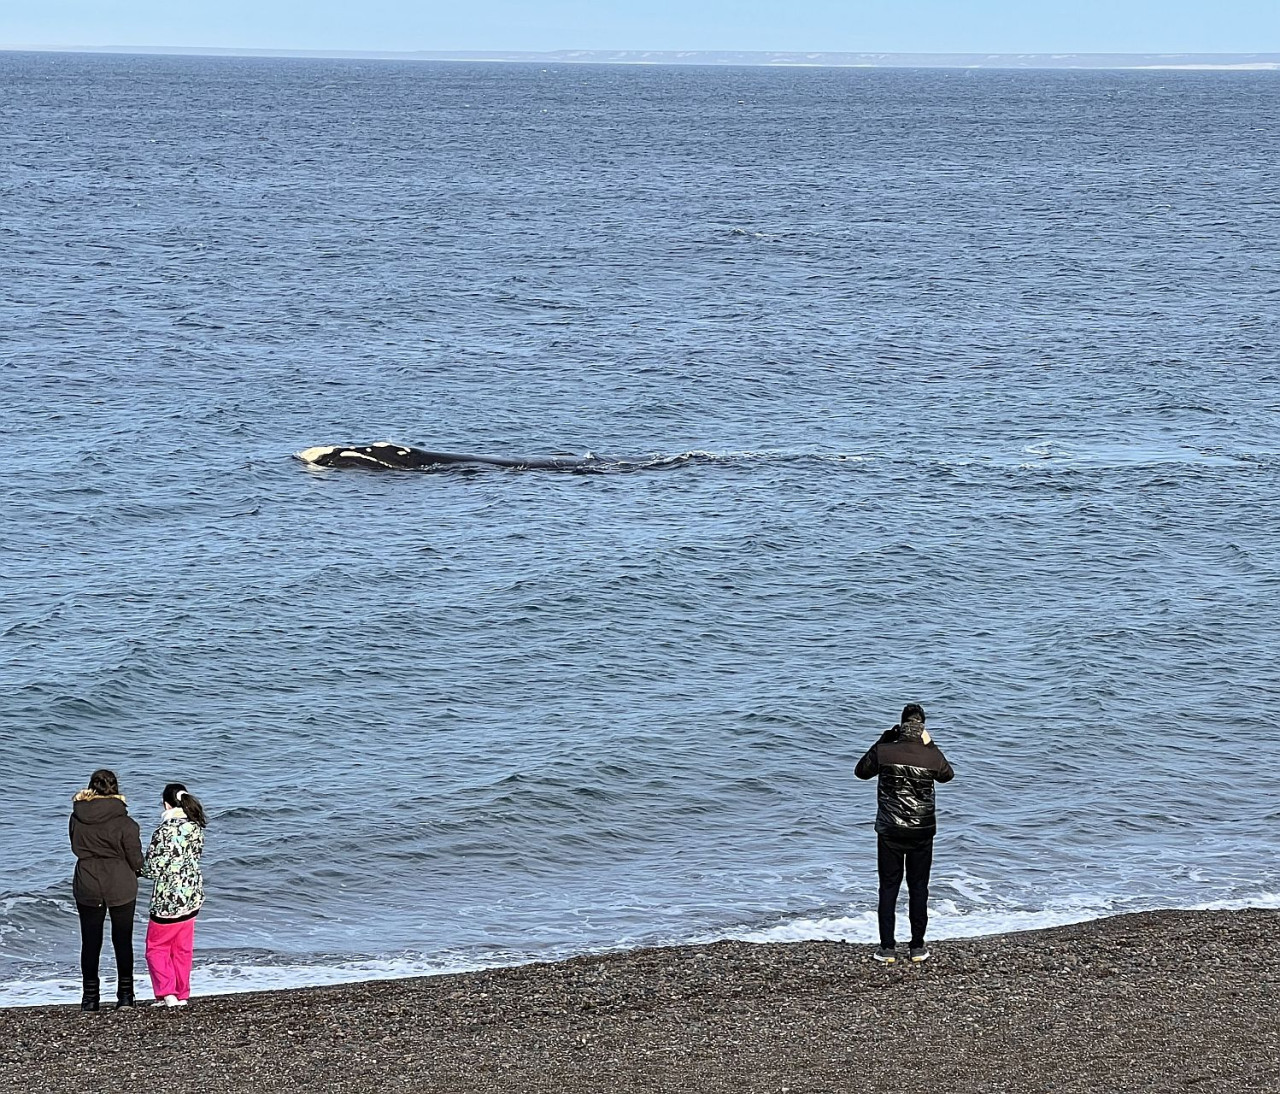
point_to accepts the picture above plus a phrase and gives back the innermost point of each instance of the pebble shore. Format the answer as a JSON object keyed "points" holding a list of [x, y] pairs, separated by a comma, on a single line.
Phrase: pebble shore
{"points": [[1159, 1001]]}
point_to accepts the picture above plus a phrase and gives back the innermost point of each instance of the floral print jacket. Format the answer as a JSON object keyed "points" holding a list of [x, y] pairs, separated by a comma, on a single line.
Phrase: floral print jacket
{"points": [[173, 863]]}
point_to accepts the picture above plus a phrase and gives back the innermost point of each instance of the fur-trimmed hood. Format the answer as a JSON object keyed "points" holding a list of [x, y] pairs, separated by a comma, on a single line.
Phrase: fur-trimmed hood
{"points": [[90, 808], [93, 795]]}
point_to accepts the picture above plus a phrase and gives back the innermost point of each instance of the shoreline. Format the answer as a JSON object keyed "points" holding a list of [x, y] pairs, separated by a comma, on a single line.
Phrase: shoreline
{"points": [[1147, 1001], [357, 972]]}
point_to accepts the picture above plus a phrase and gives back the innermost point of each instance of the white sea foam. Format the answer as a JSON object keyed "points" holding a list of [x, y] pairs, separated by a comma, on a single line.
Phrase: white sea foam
{"points": [[946, 920], [227, 978], [1262, 900]]}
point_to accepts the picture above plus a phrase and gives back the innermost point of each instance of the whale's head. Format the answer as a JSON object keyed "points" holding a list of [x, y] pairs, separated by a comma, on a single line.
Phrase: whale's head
{"points": [[337, 455], [378, 456], [316, 455]]}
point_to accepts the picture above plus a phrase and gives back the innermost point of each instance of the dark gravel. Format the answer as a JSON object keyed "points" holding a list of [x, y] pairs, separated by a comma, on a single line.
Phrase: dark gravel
{"points": [[1162, 1001]]}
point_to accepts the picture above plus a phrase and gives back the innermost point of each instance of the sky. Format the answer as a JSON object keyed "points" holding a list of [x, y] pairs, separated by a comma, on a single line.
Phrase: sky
{"points": [[897, 26]]}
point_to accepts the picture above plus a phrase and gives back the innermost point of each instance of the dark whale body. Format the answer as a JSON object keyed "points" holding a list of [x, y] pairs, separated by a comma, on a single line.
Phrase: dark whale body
{"points": [[385, 456]]}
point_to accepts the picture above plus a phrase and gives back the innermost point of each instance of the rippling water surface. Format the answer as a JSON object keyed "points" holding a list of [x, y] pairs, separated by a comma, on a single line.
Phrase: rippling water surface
{"points": [[982, 370]]}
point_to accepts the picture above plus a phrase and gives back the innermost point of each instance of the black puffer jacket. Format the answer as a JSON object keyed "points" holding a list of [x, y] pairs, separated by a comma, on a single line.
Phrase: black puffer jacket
{"points": [[108, 851], [908, 768]]}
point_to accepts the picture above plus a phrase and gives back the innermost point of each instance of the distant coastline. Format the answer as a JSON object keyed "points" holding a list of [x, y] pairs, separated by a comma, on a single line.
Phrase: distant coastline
{"points": [[817, 59]]}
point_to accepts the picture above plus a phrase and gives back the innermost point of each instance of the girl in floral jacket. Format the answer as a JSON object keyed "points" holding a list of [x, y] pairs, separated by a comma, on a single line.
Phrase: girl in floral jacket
{"points": [[173, 863]]}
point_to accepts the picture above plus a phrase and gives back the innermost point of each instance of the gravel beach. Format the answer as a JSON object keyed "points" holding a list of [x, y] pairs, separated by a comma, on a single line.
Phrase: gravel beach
{"points": [[1159, 1001]]}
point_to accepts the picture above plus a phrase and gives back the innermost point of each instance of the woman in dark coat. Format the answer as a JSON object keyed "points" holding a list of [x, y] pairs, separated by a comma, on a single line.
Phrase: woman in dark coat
{"points": [[108, 853]]}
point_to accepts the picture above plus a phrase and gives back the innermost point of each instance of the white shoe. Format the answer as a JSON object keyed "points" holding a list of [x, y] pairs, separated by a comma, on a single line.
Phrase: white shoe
{"points": [[177, 1002]]}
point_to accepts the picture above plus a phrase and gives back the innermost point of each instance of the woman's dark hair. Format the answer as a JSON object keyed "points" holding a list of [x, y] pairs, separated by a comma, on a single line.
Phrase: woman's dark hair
{"points": [[913, 712], [176, 796], [104, 782]]}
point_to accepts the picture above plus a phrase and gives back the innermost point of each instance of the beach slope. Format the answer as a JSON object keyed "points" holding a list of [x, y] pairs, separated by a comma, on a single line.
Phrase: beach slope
{"points": [[1160, 1001]]}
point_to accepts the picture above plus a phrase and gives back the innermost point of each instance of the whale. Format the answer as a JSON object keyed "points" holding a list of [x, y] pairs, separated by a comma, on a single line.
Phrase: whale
{"points": [[386, 456]]}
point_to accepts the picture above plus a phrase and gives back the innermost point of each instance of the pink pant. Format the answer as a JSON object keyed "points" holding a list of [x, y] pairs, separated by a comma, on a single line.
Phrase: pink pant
{"points": [[169, 947]]}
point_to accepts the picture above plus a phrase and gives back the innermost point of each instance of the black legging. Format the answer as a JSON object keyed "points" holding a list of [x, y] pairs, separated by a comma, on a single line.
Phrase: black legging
{"points": [[917, 858], [91, 924]]}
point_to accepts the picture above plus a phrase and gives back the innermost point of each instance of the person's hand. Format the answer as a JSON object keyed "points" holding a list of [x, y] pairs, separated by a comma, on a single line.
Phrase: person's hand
{"points": [[925, 738]]}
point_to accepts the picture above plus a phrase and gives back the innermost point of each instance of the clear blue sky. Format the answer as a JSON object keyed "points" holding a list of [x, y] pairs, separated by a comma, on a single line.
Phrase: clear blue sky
{"points": [[908, 26]]}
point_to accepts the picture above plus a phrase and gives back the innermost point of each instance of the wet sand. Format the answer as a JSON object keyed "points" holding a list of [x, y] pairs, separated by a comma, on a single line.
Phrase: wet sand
{"points": [[1161, 1001]]}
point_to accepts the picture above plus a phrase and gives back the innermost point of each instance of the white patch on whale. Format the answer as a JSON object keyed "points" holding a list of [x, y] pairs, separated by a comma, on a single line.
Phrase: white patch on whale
{"points": [[311, 455]]}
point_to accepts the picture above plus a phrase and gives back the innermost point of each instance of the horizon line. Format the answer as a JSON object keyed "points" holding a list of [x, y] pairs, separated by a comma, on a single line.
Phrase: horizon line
{"points": [[1164, 59]]}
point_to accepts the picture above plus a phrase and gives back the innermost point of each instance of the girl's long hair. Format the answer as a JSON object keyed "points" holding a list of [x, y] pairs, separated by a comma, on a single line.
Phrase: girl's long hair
{"points": [[177, 796]]}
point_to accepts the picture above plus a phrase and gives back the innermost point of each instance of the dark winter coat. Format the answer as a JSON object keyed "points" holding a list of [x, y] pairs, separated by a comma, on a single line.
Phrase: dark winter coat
{"points": [[908, 768], [108, 851]]}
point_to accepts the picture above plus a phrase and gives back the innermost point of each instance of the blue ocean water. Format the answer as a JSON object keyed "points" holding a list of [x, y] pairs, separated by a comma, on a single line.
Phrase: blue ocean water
{"points": [[979, 372]]}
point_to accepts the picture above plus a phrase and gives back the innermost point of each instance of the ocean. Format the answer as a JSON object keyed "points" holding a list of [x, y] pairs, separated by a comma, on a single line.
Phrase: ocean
{"points": [[960, 387]]}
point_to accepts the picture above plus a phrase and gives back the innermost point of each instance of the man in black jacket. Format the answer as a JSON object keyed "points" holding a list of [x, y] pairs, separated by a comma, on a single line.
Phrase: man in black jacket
{"points": [[908, 763]]}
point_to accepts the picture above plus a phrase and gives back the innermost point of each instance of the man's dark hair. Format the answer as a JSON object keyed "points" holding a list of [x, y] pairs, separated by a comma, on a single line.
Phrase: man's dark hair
{"points": [[104, 783], [913, 712]]}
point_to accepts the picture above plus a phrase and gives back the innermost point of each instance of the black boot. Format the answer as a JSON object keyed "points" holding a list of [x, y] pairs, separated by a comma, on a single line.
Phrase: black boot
{"points": [[124, 994], [89, 1000]]}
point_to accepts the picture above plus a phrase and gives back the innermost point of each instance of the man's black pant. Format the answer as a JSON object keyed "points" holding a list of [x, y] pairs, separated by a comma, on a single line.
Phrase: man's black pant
{"points": [[913, 854], [91, 923]]}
